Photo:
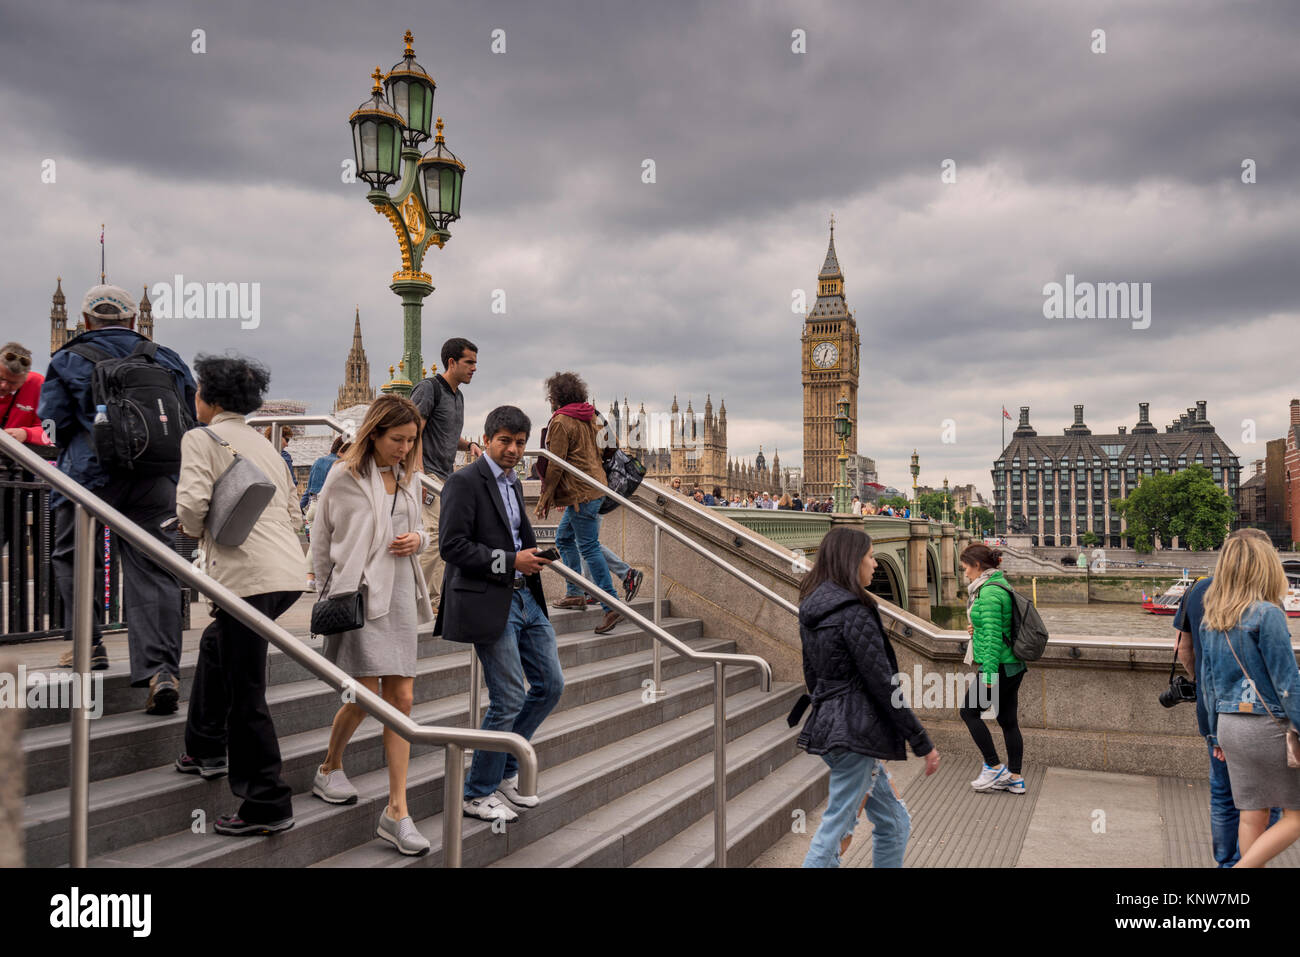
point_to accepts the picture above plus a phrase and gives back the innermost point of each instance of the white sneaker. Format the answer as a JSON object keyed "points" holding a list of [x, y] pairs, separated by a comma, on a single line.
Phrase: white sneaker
{"points": [[489, 808], [311, 584], [989, 777], [334, 787], [509, 789]]}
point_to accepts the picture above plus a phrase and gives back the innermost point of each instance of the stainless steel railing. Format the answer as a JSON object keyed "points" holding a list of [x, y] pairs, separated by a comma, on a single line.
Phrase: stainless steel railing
{"points": [[89, 507]]}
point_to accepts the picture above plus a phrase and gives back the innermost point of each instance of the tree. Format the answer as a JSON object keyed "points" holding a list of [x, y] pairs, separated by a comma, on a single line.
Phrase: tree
{"points": [[1088, 539], [931, 503], [978, 514], [895, 501], [1188, 504]]}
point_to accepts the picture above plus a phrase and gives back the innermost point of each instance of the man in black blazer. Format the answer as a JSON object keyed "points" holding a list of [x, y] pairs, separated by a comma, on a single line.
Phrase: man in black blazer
{"points": [[492, 596]]}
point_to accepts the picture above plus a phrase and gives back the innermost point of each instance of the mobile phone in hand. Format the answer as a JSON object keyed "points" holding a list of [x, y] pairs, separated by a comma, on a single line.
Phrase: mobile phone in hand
{"points": [[550, 554]]}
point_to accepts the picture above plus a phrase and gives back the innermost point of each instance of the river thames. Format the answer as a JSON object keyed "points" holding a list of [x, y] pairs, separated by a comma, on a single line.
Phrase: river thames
{"points": [[1116, 620]]}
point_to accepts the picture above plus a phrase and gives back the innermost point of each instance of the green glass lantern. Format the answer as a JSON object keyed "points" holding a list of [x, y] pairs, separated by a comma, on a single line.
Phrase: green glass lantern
{"points": [[377, 139], [441, 174], [410, 92], [843, 424]]}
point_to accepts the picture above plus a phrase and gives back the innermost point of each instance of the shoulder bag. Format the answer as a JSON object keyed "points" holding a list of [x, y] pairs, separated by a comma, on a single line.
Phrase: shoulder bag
{"points": [[345, 611], [1292, 736], [239, 496]]}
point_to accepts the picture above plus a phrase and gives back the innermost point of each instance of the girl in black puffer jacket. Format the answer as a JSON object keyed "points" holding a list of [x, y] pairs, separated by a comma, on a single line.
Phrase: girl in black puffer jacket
{"points": [[857, 718]]}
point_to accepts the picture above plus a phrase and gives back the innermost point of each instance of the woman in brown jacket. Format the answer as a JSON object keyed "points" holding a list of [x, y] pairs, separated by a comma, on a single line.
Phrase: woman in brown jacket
{"points": [[571, 435]]}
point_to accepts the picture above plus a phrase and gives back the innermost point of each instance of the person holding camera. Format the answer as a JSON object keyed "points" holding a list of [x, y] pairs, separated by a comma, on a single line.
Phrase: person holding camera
{"points": [[1000, 671], [1252, 693]]}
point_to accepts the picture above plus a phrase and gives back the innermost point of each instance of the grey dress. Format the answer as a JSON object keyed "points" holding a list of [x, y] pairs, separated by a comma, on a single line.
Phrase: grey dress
{"points": [[386, 645]]}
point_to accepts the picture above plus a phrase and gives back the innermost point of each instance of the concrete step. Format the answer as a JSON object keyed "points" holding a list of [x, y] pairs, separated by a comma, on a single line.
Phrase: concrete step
{"points": [[157, 801], [325, 831], [626, 829], [119, 697], [756, 818], [133, 741], [583, 786]]}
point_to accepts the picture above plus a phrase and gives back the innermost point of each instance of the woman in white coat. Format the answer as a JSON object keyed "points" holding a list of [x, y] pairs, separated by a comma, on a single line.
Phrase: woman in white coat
{"points": [[366, 535]]}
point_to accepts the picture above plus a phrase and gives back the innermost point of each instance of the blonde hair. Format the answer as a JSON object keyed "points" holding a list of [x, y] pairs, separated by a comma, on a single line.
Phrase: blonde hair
{"points": [[785, 500], [1248, 571], [386, 412]]}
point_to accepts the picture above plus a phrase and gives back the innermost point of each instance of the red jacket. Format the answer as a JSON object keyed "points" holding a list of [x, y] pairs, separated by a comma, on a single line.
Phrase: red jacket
{"points": [[18, 411]]}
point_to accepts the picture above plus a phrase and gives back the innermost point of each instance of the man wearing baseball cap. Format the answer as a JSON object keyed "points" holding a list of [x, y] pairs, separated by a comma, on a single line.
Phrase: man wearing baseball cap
{"points": [[152, 596]]}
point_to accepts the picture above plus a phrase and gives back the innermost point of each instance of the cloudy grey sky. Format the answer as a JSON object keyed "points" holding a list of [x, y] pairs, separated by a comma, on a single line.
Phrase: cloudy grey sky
{"points": [[1125, 166]]}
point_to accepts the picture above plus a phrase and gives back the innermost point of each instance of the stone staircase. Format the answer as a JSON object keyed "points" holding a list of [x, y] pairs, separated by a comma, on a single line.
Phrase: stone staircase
{"points": [[624, 781]]}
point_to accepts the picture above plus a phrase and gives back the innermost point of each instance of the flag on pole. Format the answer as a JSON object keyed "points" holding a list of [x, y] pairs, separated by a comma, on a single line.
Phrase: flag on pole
{"points": [[1005, 413]]}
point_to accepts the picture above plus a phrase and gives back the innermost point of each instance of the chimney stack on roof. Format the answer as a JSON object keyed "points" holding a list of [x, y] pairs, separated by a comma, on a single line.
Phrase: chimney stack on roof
{"points": [[1295, 411]]}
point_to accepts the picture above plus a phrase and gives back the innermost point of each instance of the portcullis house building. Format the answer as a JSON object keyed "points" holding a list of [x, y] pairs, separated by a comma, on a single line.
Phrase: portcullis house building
{"points": [[1054, 488]]}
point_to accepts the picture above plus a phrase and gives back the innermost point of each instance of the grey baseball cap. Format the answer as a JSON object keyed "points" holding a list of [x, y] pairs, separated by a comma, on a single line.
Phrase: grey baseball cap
{"points": [[108, 303]]}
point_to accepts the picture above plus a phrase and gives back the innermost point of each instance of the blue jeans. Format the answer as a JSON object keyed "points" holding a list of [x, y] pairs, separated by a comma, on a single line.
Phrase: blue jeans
{"points": [[525, 649], [852, 776], [578, 539], [618, 568], [1224, 818]]}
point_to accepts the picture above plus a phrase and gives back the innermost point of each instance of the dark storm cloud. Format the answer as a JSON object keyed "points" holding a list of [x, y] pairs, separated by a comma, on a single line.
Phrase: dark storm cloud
{"points": [[1118, 167]]}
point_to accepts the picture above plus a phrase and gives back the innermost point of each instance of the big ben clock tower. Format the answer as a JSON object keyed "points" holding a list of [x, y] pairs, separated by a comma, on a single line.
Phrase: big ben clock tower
{"points": [[830, 368]]}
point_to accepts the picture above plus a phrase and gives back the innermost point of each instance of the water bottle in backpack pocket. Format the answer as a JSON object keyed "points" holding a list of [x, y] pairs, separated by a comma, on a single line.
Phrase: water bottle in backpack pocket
{"points": [[140, 417]]}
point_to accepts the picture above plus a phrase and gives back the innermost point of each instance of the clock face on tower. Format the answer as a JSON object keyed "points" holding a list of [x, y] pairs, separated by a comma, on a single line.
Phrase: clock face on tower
{"points": [[825, 355]]}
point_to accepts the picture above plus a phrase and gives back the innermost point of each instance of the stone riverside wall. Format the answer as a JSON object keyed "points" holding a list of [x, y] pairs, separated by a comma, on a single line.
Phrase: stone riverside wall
{"points": [[1081, 589], [1079, 708]]}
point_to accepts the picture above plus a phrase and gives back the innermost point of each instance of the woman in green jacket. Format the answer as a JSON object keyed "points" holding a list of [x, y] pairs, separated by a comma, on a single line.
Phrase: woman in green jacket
{"points": [[1000, 671]]}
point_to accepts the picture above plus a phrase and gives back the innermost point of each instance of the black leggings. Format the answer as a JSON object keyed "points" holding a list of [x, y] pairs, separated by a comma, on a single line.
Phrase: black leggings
{"points": [[1003, 699]]}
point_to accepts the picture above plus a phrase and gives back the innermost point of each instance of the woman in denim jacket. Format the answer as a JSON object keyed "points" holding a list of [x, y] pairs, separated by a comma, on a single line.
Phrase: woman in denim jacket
{"points": [[1252, 689]]}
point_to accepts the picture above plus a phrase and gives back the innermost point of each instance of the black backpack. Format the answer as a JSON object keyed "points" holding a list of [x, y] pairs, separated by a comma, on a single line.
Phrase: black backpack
{"points": [[1028, 635], [146, 416]]}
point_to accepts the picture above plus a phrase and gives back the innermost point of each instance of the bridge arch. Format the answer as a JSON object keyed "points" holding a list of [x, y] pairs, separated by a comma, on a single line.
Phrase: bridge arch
{"points": [[887, 583]]}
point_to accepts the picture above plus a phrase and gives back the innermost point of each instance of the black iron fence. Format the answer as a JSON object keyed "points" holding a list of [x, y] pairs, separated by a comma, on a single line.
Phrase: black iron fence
{"points": [[30, 605]]}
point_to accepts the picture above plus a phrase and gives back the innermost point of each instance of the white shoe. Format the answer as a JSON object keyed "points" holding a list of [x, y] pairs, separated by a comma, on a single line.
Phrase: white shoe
{"points": [[334, 787], [311, 584], [509, 789], [989, 777], [489, 808]]}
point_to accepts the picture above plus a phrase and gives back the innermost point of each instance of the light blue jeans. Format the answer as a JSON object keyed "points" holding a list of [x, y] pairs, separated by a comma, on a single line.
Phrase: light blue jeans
{"points": [[853, 776], [526, 649], [578, 539]]}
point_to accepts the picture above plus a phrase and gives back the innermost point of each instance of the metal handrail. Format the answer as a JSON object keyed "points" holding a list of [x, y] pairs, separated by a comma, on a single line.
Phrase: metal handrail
{"points": [[89, 507]]}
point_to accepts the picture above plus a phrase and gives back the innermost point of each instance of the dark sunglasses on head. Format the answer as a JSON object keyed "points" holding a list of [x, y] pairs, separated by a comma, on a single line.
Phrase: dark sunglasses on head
{"points": [[21, 360]]}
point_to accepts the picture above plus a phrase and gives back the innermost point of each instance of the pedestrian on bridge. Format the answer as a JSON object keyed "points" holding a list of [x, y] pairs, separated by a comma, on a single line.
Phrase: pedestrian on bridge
{"points": [[856, 719], [228, 727], [367, 532], [1252, 692], [1000, 671]]}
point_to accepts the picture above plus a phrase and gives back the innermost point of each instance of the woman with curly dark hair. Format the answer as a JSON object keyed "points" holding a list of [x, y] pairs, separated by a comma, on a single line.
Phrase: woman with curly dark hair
{"points": [[227, 709], [571, 435]]}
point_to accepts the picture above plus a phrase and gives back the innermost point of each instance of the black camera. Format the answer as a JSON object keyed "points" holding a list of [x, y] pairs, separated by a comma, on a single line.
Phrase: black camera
{"points": [[1179, 690]]}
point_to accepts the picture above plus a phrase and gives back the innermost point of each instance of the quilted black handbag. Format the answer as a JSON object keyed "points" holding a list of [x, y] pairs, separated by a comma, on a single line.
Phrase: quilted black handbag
{"points": [[337, 613]]}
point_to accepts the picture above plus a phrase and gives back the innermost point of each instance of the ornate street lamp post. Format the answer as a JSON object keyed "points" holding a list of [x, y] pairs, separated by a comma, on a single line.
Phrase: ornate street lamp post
{"points": [[945, 499], [387, 131], [844, 429], [916, 470]]}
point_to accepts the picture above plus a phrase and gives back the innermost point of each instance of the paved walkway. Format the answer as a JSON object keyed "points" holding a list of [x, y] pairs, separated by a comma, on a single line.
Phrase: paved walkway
{"points": [[1066, 818]]}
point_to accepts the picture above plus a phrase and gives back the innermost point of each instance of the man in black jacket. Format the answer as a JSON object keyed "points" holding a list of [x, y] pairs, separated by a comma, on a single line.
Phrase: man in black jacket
{"points": [[492, 596]]}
